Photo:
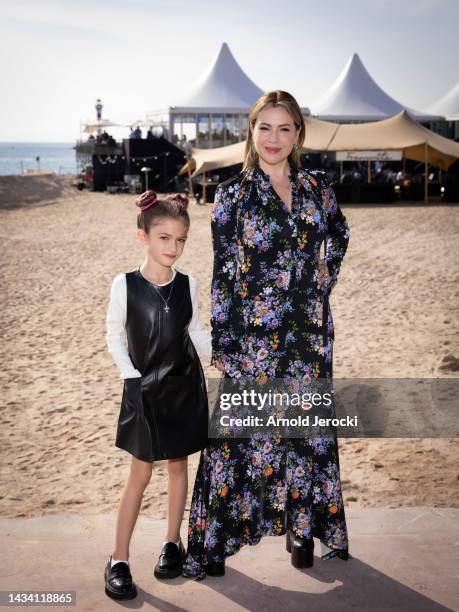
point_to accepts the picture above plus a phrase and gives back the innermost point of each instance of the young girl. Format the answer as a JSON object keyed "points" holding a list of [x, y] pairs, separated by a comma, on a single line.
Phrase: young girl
{"points": [[153, 328]]}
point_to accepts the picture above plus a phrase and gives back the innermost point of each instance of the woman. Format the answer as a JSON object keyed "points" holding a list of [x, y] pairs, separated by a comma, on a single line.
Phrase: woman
{"points": [[270, 318]]}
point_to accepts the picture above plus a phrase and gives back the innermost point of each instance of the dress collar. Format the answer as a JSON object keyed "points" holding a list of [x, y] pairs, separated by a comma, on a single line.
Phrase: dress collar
{"points": [[303, 181], [263, 180]]}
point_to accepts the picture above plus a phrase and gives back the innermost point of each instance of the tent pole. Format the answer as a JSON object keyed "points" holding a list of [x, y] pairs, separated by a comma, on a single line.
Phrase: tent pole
{"points": [[190, 182], [426, 178], [369, 171], [203, 187]]}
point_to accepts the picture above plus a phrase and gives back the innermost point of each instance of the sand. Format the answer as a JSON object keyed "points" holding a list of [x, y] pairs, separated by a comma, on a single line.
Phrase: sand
{"points": [[33, 188], [395, 312]]}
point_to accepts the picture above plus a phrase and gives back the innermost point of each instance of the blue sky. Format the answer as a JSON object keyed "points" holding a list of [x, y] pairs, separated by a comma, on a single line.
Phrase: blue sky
{"points": [[58, 56]]}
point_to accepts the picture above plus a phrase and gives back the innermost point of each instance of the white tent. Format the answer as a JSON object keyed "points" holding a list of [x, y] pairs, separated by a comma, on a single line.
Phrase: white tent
{"points": [[224, 87], [355, 96], [448, 105]]}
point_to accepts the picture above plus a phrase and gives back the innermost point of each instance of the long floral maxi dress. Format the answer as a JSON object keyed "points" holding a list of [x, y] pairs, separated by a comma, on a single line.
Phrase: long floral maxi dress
{"points": [[268, 321]]}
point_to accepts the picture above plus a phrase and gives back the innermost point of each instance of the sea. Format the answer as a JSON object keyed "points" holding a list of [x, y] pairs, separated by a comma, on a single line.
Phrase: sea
{"points": [[18, 157]]}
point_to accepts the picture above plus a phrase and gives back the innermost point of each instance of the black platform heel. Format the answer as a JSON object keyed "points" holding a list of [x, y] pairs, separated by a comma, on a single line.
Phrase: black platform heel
{"points": [[301, 549], [215, 568]]}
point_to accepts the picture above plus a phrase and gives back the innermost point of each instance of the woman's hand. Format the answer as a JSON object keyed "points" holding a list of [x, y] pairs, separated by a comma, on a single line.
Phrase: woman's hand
{"points": [[323, 277], [219, 365]]}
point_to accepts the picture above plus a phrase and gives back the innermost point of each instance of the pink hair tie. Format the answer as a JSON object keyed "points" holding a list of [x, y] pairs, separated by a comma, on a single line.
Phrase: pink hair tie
{"points": [[179, 199], [147, 199]]}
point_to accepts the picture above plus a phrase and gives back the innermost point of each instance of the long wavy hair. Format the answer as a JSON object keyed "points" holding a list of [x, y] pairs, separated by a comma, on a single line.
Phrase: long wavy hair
{"points": [[270, 100]]}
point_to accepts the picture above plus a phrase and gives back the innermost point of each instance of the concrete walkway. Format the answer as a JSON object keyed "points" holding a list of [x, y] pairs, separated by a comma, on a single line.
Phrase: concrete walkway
{"points": [[402, 559]]}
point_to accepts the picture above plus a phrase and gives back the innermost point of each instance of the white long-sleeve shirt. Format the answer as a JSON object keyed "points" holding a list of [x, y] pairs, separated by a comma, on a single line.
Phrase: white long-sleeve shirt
{"points": [[116, 336]]}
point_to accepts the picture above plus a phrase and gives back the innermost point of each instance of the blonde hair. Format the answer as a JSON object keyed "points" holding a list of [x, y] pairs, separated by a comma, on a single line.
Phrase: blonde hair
{"points": [[270, 100]]}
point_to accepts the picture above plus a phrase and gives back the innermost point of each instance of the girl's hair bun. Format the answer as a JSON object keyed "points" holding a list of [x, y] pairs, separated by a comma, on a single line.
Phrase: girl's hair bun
{"points": [[147, 199], [179, 198]]}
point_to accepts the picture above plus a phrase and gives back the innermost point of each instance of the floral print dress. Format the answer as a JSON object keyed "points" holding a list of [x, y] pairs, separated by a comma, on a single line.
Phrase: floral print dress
{"points": [[270, 318]]}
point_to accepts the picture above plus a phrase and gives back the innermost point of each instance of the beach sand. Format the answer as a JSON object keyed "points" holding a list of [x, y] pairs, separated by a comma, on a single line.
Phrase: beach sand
{"points": [[395, 311]]}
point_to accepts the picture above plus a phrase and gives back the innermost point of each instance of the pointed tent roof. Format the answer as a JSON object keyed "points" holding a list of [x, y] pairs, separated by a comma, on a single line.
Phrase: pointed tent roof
{"points": [[448, 105], [224, 87], [355, 96]]}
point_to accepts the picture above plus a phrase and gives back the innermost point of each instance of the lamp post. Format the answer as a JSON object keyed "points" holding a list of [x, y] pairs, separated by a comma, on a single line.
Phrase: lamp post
{"points": [[165, 156], [146, 170]]}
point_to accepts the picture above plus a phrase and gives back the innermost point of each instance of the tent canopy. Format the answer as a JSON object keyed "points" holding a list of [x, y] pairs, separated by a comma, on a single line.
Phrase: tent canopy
{"points": [[396, 133], [224, 87], [401, 132], [355, 96], [448, 105]]}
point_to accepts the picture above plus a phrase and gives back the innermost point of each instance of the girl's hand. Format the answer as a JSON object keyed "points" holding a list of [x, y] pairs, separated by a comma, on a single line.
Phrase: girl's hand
{"points": [[133, 389], [219, 365]]}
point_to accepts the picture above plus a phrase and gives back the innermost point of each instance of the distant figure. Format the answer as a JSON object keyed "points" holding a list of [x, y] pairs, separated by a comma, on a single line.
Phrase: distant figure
{"points": [[137, 132], [390, 176], [91, 138], [150, 134], [99, 107], [132, 134]]}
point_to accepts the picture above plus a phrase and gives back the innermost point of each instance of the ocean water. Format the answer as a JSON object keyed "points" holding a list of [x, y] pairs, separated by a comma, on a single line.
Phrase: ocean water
{"points": [[17, 157]]}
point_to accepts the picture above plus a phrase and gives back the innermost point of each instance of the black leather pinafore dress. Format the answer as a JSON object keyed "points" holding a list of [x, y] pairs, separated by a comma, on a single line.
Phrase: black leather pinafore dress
{"points": [[164, 414]]}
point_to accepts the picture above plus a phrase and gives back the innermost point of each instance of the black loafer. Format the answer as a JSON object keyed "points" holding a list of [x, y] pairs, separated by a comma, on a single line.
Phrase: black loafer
{"points": [[118, 581], [170, 562]]}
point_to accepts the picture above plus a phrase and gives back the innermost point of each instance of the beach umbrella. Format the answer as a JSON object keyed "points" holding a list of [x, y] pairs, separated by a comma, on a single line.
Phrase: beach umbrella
{"points": [[97, 125], [138, 123]]}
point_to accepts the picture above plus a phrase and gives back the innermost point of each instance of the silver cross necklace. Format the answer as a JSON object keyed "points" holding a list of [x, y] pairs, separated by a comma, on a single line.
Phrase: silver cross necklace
{"points": [[166, 307]]}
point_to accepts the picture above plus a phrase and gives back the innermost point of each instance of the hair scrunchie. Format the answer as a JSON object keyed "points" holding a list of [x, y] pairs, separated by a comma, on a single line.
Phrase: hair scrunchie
{"points": [[147, 199], [179, 198]]}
